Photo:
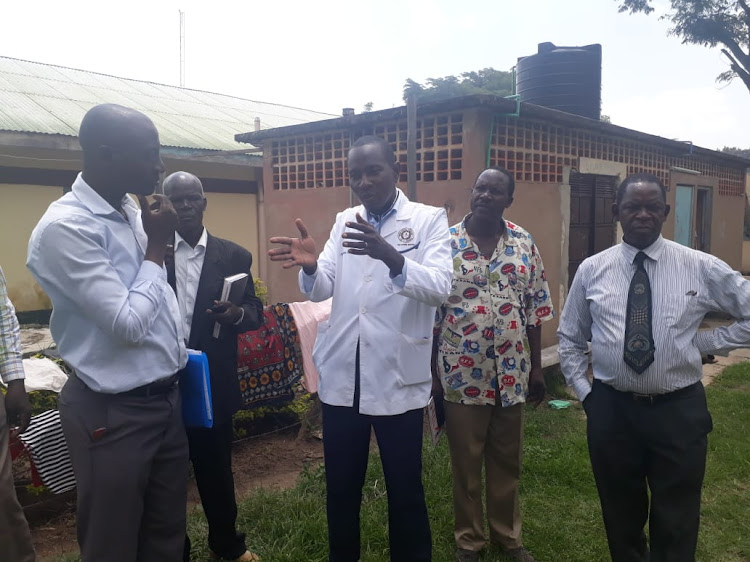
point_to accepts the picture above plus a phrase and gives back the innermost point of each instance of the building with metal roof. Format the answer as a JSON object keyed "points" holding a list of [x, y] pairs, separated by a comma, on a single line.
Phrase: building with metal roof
{"points": [[566, 169], [41, 107], [48, 99]]}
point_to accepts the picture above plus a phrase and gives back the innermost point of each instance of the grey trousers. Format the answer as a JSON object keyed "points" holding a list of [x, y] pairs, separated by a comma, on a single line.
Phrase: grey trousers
{"points": [[130, 459], [15, 538]]}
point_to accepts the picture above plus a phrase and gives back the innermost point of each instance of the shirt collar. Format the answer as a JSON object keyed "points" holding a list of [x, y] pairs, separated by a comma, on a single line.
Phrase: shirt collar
{"points": [[179, 240], [96, 203], [506, 239], [377, 219], [653, 251]]}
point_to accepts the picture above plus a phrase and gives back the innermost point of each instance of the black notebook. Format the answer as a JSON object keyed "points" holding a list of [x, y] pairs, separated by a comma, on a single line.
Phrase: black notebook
{"points": [[234, 288]]}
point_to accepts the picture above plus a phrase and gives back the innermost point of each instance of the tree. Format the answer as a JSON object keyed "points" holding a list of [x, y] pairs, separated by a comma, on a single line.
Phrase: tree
{"points": [[709, 23], [744, 152], [368, 107], [485, 81]]}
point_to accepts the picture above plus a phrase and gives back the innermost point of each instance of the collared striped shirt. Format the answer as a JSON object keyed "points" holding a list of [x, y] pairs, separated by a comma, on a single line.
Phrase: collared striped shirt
{"points": [[685, 285], [11, 366]]}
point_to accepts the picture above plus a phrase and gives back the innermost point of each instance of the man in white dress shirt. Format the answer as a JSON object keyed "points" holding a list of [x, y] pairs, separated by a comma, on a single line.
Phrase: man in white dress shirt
{"points": [[115, 321], [201, 262], [387, 265], [640, 303]]}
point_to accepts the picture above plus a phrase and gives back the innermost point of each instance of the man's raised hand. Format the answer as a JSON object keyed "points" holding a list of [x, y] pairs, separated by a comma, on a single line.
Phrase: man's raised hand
{"points": [[296, 251], [159, 219]]}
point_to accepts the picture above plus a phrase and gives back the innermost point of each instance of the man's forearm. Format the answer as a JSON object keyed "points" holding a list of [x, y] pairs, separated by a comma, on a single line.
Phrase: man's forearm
{"points": [[395, 263], [574, 365], [724, 338], [534, 334], [310, 269], [253, 318], [11, 364]]}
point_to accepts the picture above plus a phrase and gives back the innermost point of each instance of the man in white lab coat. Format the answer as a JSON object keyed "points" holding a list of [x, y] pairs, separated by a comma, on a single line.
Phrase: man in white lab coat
{"points": [[387, 265]]}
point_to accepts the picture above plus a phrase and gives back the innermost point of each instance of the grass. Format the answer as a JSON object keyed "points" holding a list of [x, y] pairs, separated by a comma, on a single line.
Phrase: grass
{"points": [[562, 519], [725, 523]]}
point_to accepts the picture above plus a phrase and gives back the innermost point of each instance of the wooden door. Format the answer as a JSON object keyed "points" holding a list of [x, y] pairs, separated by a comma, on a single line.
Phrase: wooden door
{"points": [[592, 227]]}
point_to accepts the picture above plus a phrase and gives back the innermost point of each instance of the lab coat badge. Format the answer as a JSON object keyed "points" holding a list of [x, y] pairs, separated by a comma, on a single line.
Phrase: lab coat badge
{"points": [[406, 235]]}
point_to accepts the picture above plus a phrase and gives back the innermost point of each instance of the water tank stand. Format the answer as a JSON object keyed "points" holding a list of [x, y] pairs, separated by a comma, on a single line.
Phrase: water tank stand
{"points": [[516, 113]]}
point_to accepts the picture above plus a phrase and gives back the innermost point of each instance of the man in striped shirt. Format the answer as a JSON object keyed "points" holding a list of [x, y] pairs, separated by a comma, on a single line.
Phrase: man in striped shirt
{"points": [[15, 538], [640, 303]]}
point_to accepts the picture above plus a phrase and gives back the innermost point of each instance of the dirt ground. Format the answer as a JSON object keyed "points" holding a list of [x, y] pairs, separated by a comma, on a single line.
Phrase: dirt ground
{"points": [[268, 461]]}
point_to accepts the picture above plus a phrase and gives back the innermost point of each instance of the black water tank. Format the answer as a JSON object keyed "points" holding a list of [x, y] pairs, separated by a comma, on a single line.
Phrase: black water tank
{"points": [[564, 78]]}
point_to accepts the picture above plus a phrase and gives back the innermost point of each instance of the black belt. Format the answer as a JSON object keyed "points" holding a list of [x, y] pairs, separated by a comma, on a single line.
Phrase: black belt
{"points": [[650, 398], [153, 388]]}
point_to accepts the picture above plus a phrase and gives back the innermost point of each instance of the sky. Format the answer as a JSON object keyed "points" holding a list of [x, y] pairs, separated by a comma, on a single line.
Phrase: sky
{"points": [[331, 54]]}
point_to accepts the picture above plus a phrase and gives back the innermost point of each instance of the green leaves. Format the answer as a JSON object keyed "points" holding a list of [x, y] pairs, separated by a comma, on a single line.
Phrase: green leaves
{"points": [[710, 23], [636, 6], [485, 81]]}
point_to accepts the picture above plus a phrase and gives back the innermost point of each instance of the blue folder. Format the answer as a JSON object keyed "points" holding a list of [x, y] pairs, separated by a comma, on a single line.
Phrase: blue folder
{"points": [[195, 386]]}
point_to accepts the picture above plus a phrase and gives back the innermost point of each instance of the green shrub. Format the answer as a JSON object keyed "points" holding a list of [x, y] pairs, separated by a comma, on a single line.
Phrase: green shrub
{"points": [[261, 290], [297, 409]]}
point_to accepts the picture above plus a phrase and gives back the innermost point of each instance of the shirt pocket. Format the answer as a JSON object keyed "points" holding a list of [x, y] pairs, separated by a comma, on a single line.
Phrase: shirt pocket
{"points": [[677, 311], [518, 282]]}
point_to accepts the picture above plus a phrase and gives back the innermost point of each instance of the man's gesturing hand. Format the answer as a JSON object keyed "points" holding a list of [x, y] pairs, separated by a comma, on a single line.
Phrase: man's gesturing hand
{"points": [[159, 219], [296, 251], [365, 241]]}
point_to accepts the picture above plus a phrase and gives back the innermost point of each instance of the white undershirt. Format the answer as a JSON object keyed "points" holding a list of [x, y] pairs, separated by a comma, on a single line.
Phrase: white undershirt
{"points": [[188, 264]]}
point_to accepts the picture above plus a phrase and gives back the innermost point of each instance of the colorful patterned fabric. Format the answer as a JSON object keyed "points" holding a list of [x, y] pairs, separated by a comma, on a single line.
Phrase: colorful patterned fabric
{"points": [[483, 347], [268, 359]]}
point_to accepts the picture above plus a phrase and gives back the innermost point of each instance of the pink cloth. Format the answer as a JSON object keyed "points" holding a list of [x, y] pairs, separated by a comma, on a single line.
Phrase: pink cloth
{"points": [[307, 315]]}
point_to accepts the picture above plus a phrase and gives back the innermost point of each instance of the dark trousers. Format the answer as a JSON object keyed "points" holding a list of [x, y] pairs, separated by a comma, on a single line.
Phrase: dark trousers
{"points": [[637, 446], [346, 447], [130, 459], [211, 455], [15, 537]]}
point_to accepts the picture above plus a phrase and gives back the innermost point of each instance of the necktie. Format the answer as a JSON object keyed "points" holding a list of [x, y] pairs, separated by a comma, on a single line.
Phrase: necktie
{"points": [[639, 339]]}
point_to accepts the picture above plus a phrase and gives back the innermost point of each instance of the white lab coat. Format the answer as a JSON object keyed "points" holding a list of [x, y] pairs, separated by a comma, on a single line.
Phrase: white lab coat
{"points": [[394, 324]]}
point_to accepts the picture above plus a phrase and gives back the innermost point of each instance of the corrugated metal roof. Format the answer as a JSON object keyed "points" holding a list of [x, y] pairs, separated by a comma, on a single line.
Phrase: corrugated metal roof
{"points": [[43, 98]]}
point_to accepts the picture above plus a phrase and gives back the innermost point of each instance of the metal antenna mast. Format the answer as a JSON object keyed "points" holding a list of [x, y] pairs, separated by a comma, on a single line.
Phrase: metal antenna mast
{"points": [[182, 49]]}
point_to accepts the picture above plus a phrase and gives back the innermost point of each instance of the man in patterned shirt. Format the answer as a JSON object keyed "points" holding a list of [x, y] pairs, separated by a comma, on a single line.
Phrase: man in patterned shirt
{"points": [[487, 361], [15, 538]]}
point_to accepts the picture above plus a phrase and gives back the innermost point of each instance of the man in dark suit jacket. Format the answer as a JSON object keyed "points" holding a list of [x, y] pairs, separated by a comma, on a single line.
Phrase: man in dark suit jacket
{"points": [[197, 272]]}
